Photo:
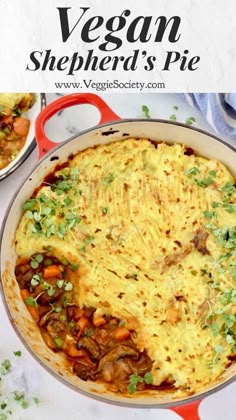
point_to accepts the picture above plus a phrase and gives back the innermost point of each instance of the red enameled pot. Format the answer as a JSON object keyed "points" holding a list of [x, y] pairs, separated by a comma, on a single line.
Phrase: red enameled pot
{"points": [[111, 128]]}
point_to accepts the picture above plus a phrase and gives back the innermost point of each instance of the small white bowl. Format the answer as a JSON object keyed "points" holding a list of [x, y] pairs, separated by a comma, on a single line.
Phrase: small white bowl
{"points": [[30, 143]]}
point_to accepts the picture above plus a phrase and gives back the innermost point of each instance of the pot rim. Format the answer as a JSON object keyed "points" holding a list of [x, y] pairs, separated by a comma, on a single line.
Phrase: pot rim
{"points": [[129, 404]]}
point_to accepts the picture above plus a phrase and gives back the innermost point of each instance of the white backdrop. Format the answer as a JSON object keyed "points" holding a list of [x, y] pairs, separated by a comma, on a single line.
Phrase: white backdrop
{"points": [[207, 30]]}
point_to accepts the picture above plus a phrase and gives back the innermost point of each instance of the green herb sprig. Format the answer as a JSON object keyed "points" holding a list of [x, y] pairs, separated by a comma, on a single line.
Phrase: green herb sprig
{"points": [[44, 210], [135, 379], [201, 182], [190, 120], [145, 111], [10, 396]]}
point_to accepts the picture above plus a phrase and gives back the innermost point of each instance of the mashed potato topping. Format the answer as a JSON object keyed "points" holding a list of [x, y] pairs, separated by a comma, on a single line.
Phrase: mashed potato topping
{"points": [[153, 231]]}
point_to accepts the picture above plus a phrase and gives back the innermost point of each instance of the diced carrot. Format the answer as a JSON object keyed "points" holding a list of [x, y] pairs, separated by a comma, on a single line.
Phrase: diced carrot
{"points": [[21, 126], [32, 310], [72, 351], [52, 271], [82, 323], [121, 333], [78, 313], [98, 320]]}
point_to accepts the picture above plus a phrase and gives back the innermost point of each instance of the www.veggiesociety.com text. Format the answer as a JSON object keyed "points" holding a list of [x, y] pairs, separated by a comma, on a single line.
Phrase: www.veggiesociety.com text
{"points": [[110, 85]]}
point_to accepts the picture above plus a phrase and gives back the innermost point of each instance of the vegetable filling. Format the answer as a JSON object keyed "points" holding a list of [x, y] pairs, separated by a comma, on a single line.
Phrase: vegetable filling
{"points": [[100, 348]]}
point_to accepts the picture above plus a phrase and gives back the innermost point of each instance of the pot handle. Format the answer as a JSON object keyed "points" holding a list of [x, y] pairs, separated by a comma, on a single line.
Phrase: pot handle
{"points": [[188, 411], [43, 142]]}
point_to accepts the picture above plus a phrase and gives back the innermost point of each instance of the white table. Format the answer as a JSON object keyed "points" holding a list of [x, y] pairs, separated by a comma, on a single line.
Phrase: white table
{"points": [[56, 400]]}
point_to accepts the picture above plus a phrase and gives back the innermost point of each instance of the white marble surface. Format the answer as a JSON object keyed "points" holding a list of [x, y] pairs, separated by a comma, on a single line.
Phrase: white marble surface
{"points": [[56, 400]]}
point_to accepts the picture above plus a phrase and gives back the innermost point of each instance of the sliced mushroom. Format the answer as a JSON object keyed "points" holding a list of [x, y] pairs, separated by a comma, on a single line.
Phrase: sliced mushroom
{"points": [[116, 354], [48, 339], [90, 345], [55, 327], [47, 316], [84, 372]]}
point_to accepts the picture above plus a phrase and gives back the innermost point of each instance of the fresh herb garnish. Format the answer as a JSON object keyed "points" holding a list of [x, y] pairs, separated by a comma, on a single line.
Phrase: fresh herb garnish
{"points": [[74, 266], [68, 287], [43, 211], [204, 182], [20, 398], [222, 321], [4, 404], [17, 353], [228, 188], [60, 283], [5, 367], [135, 379], [229, 207], [87, 242], [192, 171], [31, 301], [59, 342], [47, 262], [190, 120], [201, 182], [212, 174], [36, 260], [11, 395], [50, 289], [36, 279], [209, 214], [88, 332], [148, 379], [36, 401], [146, 111], [109, 179]]}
